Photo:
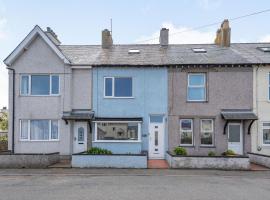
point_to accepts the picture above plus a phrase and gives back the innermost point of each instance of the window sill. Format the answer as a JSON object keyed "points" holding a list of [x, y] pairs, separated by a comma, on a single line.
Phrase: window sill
{"points": [[57, 95], [187, 146], [119, 97], [196, 101], [207, 146], [39, 140], [117, 141]]}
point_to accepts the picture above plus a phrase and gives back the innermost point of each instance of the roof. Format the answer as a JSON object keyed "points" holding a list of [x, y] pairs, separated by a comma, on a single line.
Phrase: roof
{"points": [[174, 54], [238, 114], [28, 40], [78, 114]]}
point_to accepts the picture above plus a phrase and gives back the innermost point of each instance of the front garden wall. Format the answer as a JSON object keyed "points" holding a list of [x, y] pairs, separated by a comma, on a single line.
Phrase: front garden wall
{"points": [[205, 162], [109, 161], [260, 159]]}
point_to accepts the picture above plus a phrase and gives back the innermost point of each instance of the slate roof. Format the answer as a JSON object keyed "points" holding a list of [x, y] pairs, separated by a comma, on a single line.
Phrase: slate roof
{"points": [[174, 54], [238, 114]]}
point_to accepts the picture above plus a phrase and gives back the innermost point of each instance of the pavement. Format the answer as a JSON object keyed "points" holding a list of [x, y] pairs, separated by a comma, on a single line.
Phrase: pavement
{"points": [[147, 184]]}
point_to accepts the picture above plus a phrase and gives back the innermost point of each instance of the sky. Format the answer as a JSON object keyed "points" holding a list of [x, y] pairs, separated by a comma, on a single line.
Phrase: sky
{"points": [[81, 22]]}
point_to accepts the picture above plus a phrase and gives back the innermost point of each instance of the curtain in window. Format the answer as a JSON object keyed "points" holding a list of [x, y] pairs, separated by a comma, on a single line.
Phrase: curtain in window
{"points": [[24, 85], [24, 129], [39, 130]]}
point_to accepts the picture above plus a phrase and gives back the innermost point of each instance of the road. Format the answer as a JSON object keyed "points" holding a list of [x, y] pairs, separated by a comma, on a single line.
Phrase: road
{"points": [[133, 184]]}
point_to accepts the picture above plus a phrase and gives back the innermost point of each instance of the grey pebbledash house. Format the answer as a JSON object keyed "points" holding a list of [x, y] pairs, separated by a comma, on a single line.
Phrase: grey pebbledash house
{"points": [[129, 98]]}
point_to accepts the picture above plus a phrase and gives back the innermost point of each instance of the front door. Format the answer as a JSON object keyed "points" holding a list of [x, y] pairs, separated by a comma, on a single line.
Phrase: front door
{"points": [[156, 137], [235, 138], [80, 137]]}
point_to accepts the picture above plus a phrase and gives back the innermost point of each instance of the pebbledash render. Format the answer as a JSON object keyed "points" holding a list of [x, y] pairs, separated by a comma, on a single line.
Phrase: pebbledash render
{"points": [[141, 98]]}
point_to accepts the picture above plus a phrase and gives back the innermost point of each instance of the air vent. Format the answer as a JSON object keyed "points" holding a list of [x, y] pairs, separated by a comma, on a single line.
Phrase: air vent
{"points": [[199, 50], [264, 49], [133, 51]]}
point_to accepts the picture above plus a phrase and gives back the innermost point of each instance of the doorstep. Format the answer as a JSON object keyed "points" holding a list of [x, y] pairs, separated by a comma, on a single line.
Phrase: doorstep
{"points": [[256, 167], [61, 164], [157, 164]]}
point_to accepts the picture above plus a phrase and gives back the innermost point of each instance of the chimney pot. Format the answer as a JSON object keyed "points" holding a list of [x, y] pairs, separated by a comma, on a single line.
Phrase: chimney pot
{"points": [[51, 34], [164, 37], [223, 37], [107, 41]]}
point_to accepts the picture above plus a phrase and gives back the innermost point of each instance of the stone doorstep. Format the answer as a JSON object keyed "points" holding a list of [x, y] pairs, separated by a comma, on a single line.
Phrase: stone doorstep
{"points": [[256, 167], [157, 164]]}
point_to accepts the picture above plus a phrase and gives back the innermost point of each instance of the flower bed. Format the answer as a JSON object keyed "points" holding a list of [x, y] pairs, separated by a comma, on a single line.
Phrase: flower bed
{"points": [[208, 162], [84, 160]]}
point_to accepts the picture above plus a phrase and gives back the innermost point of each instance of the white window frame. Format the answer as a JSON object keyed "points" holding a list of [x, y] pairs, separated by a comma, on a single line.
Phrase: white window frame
{"points": [[196, 86], [113, 95], [30, 81], [119, 141], [262, 128], [192, 133], [203, 131], [29, 130]]}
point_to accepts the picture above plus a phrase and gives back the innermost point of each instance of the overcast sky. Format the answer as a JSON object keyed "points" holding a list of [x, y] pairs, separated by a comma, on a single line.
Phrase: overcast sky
{"points": [[81, 22]]}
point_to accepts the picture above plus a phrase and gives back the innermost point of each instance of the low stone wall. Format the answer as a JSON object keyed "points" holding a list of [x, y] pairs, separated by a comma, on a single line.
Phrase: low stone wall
{"points": [[109, 161], [28, 160], [206, 162], [260, 159]]}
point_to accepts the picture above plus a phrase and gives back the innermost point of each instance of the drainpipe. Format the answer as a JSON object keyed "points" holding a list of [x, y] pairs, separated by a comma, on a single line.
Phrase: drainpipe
{"points": [[13, 108]]}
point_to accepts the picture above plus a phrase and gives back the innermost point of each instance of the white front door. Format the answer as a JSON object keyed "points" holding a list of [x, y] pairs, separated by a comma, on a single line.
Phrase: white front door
{"points": [[235, 138], [156, 137], [80, 137]]}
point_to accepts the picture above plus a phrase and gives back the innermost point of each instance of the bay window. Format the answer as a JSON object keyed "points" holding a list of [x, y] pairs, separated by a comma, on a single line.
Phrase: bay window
{"points": [[40, 85], [39, 130], [117, 131]]}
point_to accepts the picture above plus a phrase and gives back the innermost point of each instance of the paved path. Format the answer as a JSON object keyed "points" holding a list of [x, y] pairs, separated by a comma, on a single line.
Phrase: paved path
{"points": [[121, 184]]}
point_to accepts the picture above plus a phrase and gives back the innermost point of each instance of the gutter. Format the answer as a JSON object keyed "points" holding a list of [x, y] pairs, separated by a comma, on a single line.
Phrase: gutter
{"points": [[13, 109]]}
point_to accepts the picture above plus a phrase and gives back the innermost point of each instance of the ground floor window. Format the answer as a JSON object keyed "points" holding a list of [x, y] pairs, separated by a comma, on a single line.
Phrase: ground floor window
{"points": [[186, 132], [266, 132], [207, 132], [117, 131], [39, 130]]}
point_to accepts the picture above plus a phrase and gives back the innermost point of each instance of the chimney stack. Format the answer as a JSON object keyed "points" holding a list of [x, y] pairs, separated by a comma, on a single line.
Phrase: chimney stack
{"points": [[107, 41], [164, 37], [223, 37], [51, 34]]}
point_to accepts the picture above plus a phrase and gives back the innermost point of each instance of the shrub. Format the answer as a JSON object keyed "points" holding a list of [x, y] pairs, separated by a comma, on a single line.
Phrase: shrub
{"points": [[211, 153], [98, 151], [3, 138], [229, 152], [180, 151]]}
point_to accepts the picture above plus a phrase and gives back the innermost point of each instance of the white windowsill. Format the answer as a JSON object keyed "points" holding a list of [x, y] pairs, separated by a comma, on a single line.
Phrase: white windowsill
{"points": [[117, 141], [119, 97]]}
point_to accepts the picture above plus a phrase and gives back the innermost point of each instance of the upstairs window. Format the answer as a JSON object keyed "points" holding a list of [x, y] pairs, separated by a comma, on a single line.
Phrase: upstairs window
{"points": [[196, 87], [117, 87], [40, 85]]}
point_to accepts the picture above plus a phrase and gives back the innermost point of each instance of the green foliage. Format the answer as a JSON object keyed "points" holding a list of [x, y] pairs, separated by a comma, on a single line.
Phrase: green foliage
{"points": [[3, 138], [180, 151], [3, 121], [229, 152], [98, 151], [211, 153]]}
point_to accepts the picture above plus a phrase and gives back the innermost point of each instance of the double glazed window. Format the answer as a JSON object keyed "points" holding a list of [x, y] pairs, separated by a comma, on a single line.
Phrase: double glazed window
{"points": [[117, 131], [40, 85], [196, 90], [117, 87], [266, 133], [39, 130], [207, 131], [186, 132]]}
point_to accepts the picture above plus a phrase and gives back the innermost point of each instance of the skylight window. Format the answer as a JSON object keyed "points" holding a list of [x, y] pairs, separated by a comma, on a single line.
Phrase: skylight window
{"points": [[264, 49], [133, 51], [199, 50]]}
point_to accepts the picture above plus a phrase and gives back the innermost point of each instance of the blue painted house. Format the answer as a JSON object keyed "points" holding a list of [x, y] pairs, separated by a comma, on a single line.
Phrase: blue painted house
{"points": [[130, 105]]}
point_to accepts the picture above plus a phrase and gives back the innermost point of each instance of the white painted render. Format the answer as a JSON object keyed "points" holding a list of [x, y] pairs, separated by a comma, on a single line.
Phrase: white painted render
{"points": [[261, 106]]}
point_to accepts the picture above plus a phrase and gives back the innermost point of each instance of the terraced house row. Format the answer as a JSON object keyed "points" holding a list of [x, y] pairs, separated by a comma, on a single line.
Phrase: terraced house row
{"points": [[139, 98]]}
